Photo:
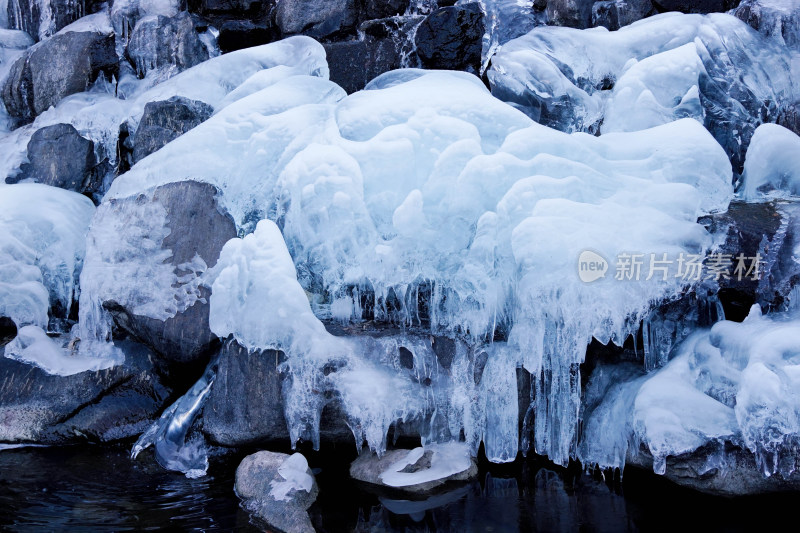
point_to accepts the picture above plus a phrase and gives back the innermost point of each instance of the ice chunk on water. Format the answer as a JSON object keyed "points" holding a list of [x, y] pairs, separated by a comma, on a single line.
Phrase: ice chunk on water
{"points": [[447, 459], [294, 471], [772, 166]]}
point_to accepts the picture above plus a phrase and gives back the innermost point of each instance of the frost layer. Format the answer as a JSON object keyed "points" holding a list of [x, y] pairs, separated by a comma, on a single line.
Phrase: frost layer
{"points": [[440, 206]]}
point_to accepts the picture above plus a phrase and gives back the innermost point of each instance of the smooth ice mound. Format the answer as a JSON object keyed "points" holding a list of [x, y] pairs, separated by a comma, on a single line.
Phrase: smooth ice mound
{"points": [[445, 208], [734, 383], [42, 239], [772, 166], [447, 459], [53, 355], [713, 68]]}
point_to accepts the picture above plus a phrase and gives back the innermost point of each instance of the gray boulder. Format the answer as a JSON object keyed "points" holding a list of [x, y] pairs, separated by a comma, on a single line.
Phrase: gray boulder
{"points": [[103, 406], [158, 42], [316, 18], [245, 405], [197, 225], [370, 468], [773, 19], [164, 121], [64, 64], [48, 164], [452, 38], [354, 63], [277, 489]]}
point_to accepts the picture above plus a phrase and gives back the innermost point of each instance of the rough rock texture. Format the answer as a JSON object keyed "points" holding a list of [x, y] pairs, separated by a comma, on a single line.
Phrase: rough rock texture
{"points": [[384, 47], [228, 420], [316, 18], [199, 226], [27, 15], [254, 481], [775, 19], [368, 468], [64, 64], [614, 14], [103, 406], [164, 121], [160, 41], [47, 162], [696, 470], [570, 13], [238, 34], [790, 118], [451, 38], [695, 6], [378, 9]]}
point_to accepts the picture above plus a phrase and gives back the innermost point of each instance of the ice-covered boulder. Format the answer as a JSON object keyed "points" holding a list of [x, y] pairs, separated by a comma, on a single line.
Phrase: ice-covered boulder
{"points": [[42, 18], [570, 13], [713, 68], [451, 38], [772, 164], [277, 489], [159, 42], [723, 409], [779, 19], [424, 201], [64, 64], [106, 405], [145, 256], [421, 470], [614, 14], [165, 120], [42, 240], [60, 157]]}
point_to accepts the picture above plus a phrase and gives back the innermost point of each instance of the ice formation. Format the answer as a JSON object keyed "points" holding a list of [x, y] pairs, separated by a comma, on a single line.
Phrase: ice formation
{"points": [[713, 68], [447, 460], [772, 166], [294, 472], [734, 383], [447, 209], [53, 355], [42, 239]]}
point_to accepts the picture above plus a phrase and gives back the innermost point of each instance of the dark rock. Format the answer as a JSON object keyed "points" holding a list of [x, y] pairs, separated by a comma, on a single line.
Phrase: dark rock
{"points": [[103, 406], [26, 15], [160, 41], [570, 13], [238, 34], [789, 118], [772, 19], [451, 38], [164, 121], [695, 6], [317, 18], [243, 8], [198, 226], [445, 350], [48, 164], [737, 476], [8, 330], [257, 476], [614, 14], [369, 468], [406, 358], [378, 9], [245, 404], [57, 67]]}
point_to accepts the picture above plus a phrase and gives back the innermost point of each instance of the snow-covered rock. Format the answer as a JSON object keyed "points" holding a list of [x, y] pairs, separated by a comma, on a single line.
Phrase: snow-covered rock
{"points": [[421, 470], [277, 489], [724, 408], [712, 68]]}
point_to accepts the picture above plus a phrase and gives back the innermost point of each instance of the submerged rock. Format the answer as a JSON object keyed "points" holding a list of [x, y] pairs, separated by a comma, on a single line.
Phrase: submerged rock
{"points": [[99, 406], [419, 471], [277, 489], [64, 64]]}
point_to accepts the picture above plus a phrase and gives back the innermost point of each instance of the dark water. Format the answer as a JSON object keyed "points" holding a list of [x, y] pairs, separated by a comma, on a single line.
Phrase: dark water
{"points": [[100, 488]]}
